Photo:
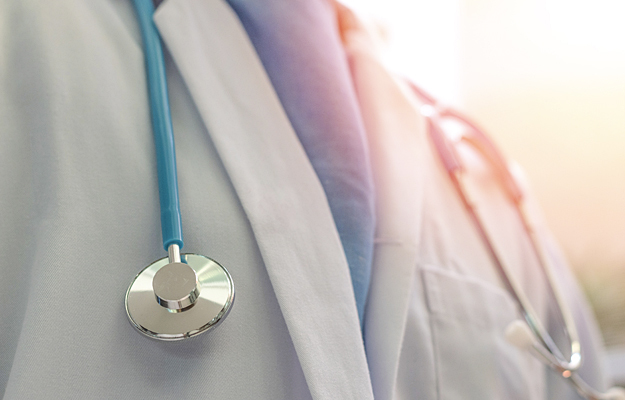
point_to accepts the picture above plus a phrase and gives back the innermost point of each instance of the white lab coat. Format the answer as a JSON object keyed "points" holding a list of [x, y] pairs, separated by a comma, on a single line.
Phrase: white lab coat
{"points": [[80, 217]]}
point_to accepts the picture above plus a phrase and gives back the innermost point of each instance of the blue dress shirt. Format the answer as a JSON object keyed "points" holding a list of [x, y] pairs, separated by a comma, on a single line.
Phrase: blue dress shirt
{"points": [[299, 45]]}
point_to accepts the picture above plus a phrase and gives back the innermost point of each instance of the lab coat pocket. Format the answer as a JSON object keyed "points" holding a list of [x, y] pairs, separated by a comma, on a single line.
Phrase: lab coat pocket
{"points": [[468, 318]]}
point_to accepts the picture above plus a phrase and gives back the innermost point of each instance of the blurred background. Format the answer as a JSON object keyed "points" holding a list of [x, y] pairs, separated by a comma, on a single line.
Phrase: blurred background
{"points": [[546, 79]]}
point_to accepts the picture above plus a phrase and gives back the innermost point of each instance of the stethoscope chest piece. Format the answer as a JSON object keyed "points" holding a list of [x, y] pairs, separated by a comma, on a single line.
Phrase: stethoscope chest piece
{"points": [[174, 301]]}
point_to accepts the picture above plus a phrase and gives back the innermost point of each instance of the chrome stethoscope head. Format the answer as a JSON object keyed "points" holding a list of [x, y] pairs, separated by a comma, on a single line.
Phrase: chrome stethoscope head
{"points": [[529, 334], [179, 296]]}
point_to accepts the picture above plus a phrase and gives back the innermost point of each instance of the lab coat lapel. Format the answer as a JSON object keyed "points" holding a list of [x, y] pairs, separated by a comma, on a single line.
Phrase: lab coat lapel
{"points": [[397, 157], [397, 138], [278, 189]]}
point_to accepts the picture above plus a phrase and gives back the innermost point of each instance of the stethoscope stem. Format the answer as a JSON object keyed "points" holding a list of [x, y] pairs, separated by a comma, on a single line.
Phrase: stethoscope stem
{"points": [[173, 253]]}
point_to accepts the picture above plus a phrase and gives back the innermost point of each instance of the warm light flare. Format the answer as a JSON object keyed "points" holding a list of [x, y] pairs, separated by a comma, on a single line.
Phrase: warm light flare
{"points": [[546, 78]]}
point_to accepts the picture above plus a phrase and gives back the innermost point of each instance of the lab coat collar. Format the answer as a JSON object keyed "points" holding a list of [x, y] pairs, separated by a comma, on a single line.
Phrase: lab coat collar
{"points": [[278, 189]]}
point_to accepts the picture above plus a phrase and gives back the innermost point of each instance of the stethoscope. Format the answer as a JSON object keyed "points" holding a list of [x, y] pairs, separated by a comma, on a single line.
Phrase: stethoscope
{"points": [[531, 334], [181, 295]]}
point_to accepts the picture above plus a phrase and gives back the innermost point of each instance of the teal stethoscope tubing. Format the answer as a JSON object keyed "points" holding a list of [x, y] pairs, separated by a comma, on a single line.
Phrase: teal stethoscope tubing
{"points": [[171, 224]]}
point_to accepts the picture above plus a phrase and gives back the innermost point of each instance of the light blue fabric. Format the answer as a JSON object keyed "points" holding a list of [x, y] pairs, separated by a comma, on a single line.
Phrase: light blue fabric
{"points": [[299, 45]]}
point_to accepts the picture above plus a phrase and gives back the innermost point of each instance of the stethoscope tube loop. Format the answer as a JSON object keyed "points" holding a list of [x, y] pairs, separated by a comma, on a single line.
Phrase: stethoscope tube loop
{"points": [[532, 335], [551, 352]]}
